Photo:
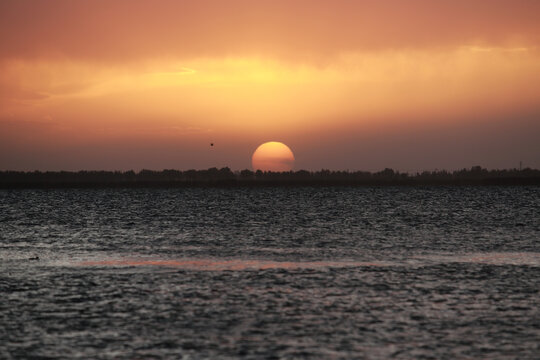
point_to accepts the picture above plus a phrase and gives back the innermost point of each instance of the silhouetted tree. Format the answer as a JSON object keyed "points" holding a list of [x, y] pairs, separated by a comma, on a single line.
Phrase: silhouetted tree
{"points": [[224, 176]]}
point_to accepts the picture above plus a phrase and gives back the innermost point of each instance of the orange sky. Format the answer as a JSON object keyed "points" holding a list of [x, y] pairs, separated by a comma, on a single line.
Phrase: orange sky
{"points": [[346, 84]]}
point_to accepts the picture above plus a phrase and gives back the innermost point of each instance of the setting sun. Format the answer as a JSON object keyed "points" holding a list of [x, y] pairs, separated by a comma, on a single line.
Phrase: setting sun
{"points": [[273, 156]]}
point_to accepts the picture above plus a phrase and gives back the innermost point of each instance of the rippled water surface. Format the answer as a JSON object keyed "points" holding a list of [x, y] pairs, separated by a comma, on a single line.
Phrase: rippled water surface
{"points": [[271, 273]]}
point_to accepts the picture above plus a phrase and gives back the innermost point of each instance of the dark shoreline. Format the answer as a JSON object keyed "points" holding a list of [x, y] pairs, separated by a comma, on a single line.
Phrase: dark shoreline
{"points": [[225, 178]]}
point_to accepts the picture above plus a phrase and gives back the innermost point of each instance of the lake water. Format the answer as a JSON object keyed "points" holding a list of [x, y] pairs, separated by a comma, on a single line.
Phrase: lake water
{"points": [[338, 272]]}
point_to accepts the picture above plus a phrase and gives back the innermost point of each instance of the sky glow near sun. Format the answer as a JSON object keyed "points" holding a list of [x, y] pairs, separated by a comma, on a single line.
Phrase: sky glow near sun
{"points": [[419, 86]]}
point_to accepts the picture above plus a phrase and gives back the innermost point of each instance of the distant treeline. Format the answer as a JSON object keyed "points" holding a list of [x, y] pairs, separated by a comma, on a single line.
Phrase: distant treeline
{"points": [[225, 177]]}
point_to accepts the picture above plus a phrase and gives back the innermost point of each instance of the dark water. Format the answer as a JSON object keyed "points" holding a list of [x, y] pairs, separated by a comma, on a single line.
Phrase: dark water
{"points": [[271, 273]]}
